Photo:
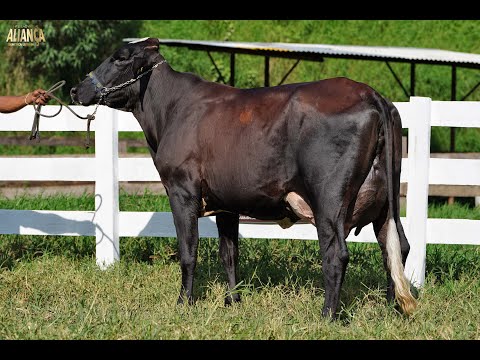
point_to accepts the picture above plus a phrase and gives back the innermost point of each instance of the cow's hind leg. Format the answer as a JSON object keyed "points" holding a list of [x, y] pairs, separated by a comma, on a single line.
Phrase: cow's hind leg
{"points": [[333, 203], [331, 235], [227, 225], [185, 204]]}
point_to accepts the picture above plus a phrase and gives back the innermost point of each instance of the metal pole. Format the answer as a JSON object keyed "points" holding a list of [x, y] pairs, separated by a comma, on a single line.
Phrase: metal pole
{"points": [[412, 79], [267, 71], [220, 76], [232, 69], [397, 80], [289, 72]]}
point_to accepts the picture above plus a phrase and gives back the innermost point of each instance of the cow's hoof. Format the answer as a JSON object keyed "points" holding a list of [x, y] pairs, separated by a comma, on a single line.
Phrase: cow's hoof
{"points": [[181, 300], [328, 314], [229, 299]]}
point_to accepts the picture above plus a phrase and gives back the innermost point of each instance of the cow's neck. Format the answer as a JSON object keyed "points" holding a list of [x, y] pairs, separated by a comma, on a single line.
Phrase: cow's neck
{"points": [[165, 88]]}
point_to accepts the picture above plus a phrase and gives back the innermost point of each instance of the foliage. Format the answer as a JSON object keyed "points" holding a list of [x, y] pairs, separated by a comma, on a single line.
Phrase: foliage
{"points": [[72, 49]]}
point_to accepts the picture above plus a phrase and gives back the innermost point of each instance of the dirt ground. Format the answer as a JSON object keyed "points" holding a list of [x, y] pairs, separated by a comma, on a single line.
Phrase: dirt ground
{"points": [[12, 189]]}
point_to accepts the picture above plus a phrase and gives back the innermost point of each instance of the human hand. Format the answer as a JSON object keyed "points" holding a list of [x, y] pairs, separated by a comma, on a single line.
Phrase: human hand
{"points": [[38, 96]]}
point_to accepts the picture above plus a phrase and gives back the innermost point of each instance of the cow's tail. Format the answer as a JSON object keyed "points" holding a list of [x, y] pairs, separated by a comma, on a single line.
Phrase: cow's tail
{"points": [[394, 255]]}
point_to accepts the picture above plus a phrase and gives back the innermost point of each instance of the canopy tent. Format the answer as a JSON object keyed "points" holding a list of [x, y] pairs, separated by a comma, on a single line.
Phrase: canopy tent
{"points": [[318, 52]]}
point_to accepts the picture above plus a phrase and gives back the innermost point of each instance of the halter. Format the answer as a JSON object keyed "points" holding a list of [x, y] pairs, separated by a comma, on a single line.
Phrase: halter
{"points": [[104, 91]]}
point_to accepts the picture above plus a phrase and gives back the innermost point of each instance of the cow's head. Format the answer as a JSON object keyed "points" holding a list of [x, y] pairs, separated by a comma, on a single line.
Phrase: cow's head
{"points": [[125, 64]]}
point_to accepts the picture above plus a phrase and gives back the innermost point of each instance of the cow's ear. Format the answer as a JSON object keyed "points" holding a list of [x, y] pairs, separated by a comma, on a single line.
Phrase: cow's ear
{"points": [[152, 44], [151, 47], [149, 58]]}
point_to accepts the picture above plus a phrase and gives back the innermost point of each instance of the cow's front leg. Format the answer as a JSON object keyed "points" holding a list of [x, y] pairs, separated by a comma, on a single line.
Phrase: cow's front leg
{"points": [[185, 204], [227, 224]]}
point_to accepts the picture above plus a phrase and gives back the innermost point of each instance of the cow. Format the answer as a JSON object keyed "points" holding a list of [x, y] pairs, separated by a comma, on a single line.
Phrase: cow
{"points": [[327, 152]]}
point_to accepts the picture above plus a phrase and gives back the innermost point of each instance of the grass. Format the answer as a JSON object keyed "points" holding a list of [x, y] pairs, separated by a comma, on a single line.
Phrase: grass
{"points": [[52, 288], [455, 211], [59, 298]]}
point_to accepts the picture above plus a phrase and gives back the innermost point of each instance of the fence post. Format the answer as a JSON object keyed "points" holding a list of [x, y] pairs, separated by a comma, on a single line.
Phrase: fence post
{"points": [[417, 191], [106, 188]]}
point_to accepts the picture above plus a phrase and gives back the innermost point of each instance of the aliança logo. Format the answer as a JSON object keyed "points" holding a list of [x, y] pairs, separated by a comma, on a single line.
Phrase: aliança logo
{"points": [[24, 35]]}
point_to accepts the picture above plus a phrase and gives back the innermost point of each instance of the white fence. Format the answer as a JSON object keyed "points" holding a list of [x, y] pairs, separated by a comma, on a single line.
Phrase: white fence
{"points": [[106, 169]]}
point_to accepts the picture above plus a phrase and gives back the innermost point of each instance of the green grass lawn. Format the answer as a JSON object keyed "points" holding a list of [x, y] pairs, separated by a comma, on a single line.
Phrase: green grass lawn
{"points": [[50, 287]]}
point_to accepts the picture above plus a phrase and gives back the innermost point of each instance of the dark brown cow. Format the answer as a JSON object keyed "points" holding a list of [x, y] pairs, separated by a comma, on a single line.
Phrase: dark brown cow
{"points": [[326, 151]]}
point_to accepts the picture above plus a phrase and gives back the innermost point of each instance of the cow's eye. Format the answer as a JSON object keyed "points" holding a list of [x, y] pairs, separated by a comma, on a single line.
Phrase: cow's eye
{"points": [[119, 61]]}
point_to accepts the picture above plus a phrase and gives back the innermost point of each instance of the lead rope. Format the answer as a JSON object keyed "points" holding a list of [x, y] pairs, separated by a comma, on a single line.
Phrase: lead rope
{"points": [[35, 133], [103, 92], [89, 120]]}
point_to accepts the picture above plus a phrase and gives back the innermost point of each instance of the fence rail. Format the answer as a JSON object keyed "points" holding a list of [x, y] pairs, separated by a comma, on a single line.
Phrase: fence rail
{"points": [[107, 223]]}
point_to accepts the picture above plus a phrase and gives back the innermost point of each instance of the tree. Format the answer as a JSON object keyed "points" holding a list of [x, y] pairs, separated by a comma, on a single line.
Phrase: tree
{"points": [[72, 48]]}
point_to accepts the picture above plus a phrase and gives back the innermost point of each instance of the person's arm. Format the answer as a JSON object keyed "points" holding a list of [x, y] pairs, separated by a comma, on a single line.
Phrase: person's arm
{"points": [[10, 104]]}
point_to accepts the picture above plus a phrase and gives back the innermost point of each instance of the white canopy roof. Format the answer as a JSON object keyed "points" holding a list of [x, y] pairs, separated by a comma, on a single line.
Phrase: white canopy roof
{"points": [[387, 53]]}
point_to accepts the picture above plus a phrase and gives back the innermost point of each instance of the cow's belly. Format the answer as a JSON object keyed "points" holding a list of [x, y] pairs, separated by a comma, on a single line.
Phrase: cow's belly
{"points": [[260, 206], [286, 208], [264, 188]]}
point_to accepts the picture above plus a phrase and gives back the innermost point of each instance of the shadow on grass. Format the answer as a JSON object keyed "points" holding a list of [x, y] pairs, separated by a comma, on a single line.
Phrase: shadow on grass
{"points": [[263, 264], [291, 265]]}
